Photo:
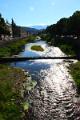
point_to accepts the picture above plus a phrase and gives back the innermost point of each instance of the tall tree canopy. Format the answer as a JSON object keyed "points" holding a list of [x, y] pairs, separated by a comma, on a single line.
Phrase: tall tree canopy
{"points": [[66, 26]]}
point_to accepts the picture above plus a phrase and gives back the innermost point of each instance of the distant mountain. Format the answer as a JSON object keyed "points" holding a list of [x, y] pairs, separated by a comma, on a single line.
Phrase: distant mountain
{"points": [[39, 27], [30, 30]]}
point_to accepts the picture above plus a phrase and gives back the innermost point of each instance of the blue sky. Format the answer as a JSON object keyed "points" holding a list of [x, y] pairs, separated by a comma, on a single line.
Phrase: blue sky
{"points": [[37, 12]]}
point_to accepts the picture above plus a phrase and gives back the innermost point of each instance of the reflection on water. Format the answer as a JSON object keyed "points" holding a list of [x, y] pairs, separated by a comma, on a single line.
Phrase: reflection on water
{"points": [[32, 67], [54, 96]]}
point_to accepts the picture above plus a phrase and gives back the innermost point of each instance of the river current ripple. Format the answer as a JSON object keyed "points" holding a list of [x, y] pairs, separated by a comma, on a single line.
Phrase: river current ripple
{"points": [[54, 97]]}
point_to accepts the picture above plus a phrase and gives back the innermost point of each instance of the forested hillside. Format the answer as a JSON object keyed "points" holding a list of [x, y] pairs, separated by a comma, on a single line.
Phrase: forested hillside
{"points": [[65, 34]]}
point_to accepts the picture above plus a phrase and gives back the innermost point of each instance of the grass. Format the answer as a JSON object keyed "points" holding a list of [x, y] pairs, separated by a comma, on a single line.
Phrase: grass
{"points": [[10, 84], [67, 49], [37, 48], [13, 85], [75, 72], [14, 47]]}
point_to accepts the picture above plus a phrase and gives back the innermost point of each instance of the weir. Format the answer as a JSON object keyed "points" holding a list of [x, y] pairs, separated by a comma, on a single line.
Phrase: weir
{"points": [[17, 59]]}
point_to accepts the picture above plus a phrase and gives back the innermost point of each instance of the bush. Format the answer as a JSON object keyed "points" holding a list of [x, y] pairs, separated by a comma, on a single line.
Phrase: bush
{"points": [[15, 47], [67, 49], [9, 109], [75, 72], [37, 48]]}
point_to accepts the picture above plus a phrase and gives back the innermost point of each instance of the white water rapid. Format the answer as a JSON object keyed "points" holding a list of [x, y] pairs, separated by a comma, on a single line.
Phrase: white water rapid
{"points": [[54, 97]]}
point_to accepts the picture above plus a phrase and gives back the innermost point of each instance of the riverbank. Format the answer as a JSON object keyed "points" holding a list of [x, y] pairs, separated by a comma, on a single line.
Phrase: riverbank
{"points": [[10, 83], [75, 72], [14, 84], [14, 47], [69, 49], [54, 96], [74, 67]]}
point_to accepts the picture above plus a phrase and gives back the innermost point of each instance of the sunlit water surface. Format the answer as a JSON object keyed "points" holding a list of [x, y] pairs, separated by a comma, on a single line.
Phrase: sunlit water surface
{"points": [[54, 97]]}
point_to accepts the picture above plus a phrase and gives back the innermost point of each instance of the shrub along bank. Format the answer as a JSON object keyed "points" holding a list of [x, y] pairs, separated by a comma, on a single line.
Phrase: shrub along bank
{"points": [[12, 103], [70, 47], [10, 80], [65, 34], [14, 47], [14, 84], [75, 72]]}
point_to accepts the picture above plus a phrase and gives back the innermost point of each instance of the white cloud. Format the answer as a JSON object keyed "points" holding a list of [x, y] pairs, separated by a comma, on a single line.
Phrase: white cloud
{"points": [[31, 8]]}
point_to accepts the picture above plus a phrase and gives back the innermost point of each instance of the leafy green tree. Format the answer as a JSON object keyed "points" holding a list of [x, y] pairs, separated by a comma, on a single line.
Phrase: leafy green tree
{"points": [[74, 24], [66, 26], [62, 26]]}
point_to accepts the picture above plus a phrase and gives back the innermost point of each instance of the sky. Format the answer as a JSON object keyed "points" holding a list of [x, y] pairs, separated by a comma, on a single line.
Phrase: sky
{"points": [[37, 12]]}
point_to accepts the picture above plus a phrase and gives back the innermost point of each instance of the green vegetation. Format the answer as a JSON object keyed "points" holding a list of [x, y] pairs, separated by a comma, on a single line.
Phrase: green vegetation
{"points": [[3, 27], [67, 49], [26, 106], [62, 43], [65, 46], [65, 34], [14, 47], [75, 72], [12, 104], [30, 85], [10, 84], [13, 85], [37, 48], [66, 26], [15, 29]]}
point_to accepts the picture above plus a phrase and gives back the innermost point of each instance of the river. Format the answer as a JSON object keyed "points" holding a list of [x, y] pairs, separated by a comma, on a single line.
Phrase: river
{"points": [[54, 97]]}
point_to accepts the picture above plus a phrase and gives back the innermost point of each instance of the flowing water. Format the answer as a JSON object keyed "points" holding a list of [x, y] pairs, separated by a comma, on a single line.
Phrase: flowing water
{"points": [[54, 97]]}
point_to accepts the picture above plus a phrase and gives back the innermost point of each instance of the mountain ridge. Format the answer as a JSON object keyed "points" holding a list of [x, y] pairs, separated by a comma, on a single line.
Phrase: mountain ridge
{"points": [[39, 27]]}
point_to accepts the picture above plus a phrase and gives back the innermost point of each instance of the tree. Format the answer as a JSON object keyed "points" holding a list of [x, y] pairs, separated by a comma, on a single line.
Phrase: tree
{"points": [[74, 23], [62, 26], [3, 27], [15, 30], [66, 26]]}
